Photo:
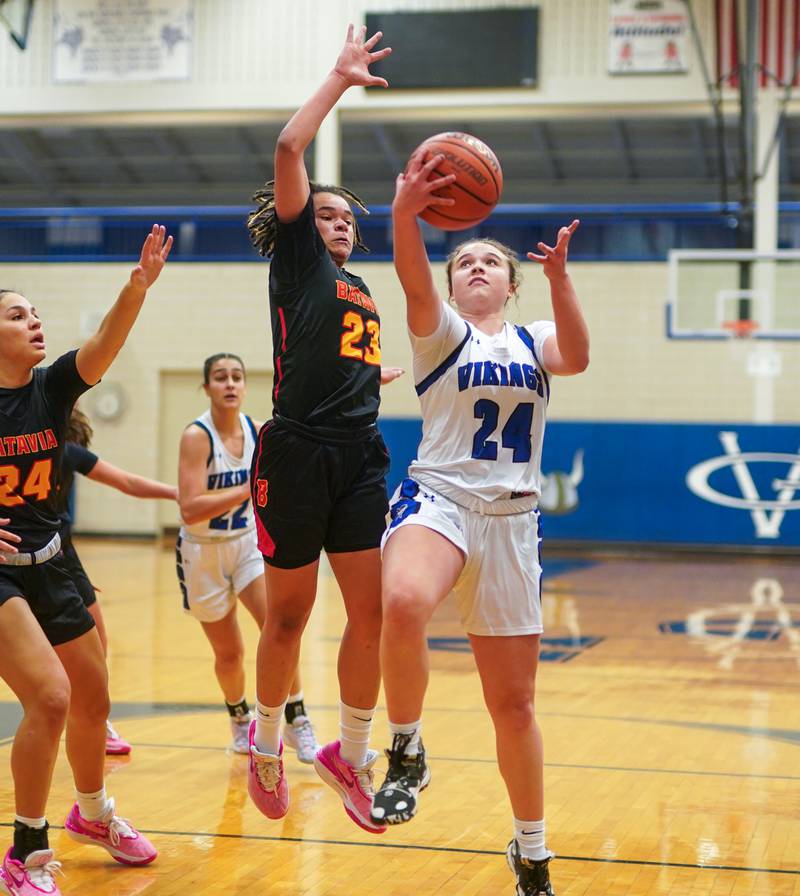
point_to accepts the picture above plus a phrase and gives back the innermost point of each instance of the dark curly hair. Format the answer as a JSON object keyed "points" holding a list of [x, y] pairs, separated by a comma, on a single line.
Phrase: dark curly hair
{"points": [[262, 223], [79, 430]]}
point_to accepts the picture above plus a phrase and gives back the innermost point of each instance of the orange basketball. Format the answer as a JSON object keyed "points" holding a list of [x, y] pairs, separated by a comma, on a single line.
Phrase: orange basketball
{"points": [[478, 183]]}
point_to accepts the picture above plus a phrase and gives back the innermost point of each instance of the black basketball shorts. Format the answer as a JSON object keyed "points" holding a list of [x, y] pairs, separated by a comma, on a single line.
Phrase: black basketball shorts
{"points": [[73, 565], [52, 596], [309, 495]]}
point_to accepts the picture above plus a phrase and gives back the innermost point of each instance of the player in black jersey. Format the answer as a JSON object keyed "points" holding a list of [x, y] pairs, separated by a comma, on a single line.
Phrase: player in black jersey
{"points": [[77, 458], [50, 652], [318, 476]]}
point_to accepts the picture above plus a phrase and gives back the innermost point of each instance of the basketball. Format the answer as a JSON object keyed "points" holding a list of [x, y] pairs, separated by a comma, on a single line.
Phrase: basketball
{"points": [[478, 183]]}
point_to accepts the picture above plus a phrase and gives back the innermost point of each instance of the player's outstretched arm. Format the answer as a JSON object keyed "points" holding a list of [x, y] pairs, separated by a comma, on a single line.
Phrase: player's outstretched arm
{"points": [[351, 70], [567, 352], [414, 192], [130, 483], [195, 501], [8, 541], [95, 356]]}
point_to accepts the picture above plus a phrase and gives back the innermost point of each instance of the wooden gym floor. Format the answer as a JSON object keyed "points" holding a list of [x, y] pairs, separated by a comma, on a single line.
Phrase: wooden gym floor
{"points": [[668, 697]]}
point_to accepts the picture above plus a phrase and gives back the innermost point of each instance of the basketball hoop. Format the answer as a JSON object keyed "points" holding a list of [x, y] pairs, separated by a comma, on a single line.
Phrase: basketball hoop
{"points": [[740, 329]]}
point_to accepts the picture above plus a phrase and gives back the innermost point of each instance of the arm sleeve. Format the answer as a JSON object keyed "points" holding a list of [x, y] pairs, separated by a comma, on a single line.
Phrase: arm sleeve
{"points": [[298, 248], [79, 459], [429, 351]]}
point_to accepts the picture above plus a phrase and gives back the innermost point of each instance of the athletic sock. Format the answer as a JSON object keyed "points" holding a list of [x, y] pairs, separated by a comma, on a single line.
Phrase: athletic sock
{"points": [[268, 728], [355, 726], [412, 728], [93, 806], [530, 837]]}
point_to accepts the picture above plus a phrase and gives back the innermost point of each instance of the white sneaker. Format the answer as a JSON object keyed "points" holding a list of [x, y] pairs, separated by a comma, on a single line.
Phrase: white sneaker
{"points": [[301, 738], [239, 729]]}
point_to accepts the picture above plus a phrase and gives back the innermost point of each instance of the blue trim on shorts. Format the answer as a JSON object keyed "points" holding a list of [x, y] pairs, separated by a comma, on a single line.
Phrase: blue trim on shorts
{"points": [[179, 570], [539, 550], [448, 362]]}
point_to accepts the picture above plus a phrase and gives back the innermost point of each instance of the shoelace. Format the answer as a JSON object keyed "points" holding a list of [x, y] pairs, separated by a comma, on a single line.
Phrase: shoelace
{"points": [[43, 876], [118, 828], [305, 734], [111, 731], [535, 874], [365, 776], [402, 769], [268, 773]]}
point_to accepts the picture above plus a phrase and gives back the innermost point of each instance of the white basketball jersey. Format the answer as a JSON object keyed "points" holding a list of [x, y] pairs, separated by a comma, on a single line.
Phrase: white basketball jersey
{"points": [[484, 404], [223, 470]]}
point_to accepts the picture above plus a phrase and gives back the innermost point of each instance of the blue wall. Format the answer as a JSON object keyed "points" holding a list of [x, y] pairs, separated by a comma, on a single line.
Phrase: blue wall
{"points": [[635, 483]]}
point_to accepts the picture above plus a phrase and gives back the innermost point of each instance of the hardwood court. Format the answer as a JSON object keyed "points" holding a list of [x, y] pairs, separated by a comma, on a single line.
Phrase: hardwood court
{"points": [[668, 698]]}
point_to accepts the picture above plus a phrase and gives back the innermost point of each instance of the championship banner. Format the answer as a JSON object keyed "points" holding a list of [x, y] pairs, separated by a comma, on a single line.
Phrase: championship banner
{"points": [[648, 37], [122, 40]]}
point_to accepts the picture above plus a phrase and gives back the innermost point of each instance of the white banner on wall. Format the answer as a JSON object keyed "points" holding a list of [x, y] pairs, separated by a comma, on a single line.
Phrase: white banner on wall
{"points": [[122, 40], [648, 37]]}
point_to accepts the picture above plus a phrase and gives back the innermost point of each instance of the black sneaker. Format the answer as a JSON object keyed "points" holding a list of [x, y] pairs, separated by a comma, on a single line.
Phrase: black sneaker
{"points": [[533, 878], [396, 801]]}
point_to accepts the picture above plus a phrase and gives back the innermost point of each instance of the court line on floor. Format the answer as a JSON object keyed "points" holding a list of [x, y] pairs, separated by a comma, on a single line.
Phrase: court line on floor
{"points": [[319, 841], [492, 761]]}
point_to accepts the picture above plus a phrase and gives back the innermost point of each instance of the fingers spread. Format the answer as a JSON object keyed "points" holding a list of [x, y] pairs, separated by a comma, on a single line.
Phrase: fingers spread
{"points": [[373, 40]]}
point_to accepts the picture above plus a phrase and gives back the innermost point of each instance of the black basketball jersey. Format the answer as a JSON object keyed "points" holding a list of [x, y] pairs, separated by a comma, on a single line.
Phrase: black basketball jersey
{"points": [[75, 459], [33, 420], [325, 333]]}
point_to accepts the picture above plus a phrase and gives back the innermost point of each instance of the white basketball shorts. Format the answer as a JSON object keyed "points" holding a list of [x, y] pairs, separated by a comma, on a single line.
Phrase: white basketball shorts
{"points": [[498, 591], [213, 574]]}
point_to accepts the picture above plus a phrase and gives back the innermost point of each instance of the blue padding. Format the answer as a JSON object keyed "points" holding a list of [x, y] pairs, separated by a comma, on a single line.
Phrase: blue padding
{"points": [[635, 484]]}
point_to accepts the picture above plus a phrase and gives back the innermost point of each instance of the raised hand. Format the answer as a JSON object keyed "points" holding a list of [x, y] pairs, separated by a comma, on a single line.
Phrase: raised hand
{"points": [[8, 541], [414, 191], [155, 252], [554, 260], [389, 374], [357, 56]]}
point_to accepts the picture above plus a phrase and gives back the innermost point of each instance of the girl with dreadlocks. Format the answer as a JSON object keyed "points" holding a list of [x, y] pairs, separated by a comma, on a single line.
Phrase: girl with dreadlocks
{"points": [[318, 476]]}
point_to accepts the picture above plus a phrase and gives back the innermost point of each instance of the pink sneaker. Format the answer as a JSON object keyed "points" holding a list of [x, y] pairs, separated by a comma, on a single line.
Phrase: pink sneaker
{"points": [[33, 878], [266, 781], [114, 834], [115, 745], [354, 785]]}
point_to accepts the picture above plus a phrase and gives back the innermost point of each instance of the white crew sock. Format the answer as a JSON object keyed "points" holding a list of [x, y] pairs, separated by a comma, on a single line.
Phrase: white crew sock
{"points": [[355, 725], [93, 806], [268, 725], [412, 728], [530, 837]]}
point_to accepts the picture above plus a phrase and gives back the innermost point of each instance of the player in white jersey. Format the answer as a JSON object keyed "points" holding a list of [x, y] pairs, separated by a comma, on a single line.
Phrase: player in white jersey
{"points": [[218, 560], [466, 518]]}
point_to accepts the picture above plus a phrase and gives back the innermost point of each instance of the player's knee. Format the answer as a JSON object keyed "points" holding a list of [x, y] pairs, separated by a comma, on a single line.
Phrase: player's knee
{"points": [[403, 609], [90, 703], [50, 706], [513, 712], [286, 624], [228, 658]]}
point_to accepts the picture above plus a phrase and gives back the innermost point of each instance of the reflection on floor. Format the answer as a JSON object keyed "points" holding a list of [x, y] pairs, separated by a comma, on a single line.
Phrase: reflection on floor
{"points": [[670, 707]]}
